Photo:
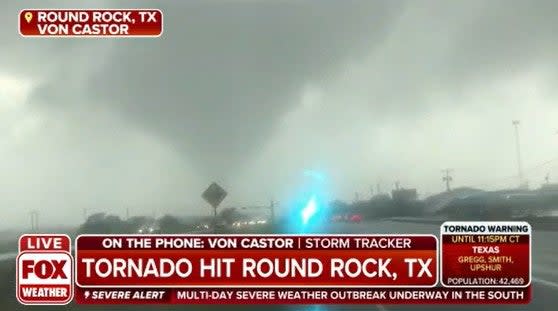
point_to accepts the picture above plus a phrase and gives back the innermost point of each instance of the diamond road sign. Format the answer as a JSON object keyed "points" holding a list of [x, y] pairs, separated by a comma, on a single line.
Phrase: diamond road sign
{"points": [[214, 195]]}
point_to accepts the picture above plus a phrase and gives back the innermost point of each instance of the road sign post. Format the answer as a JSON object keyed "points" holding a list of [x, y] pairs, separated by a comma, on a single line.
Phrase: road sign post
{"points": [[214, 195]]}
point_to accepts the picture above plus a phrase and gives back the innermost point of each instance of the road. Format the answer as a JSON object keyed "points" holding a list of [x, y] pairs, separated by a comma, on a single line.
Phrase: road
{"points": [[545, 278]]}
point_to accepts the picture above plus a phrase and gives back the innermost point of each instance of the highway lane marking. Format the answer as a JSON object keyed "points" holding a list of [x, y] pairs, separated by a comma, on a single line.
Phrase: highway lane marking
{"points": [[543, 270], [546, 282]]}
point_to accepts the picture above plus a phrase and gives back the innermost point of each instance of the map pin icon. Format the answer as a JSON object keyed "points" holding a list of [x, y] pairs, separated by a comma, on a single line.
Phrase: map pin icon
{"points": [[28, 16]]}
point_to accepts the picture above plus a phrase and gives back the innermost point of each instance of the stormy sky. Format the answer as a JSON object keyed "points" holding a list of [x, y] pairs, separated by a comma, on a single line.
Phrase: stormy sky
{"points": [[250, 94]]}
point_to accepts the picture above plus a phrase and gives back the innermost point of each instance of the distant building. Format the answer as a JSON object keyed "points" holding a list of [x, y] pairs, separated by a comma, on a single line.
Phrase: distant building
{"points": [[549, 189], [405, 195], [259, 212], [381, 197], [492, 205], [439, 202]]}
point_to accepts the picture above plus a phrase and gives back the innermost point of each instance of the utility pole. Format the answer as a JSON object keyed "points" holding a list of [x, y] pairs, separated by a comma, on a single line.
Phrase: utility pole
{"points": [[515, 124], [32, 214], [272, 211], [154, 213], [447, 178], [34, 221]]}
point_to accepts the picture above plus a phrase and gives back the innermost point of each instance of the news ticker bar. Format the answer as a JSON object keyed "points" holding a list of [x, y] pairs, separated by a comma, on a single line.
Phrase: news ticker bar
{"points": [[90, 23], [479, 262], [284, 296]]}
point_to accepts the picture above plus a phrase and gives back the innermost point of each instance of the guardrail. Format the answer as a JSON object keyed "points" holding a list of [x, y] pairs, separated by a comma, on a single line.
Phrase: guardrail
{"points": [[8, 256]]}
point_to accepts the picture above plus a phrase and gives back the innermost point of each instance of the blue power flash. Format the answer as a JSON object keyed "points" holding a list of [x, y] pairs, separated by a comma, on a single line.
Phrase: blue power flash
{"points": [[309, 210]]}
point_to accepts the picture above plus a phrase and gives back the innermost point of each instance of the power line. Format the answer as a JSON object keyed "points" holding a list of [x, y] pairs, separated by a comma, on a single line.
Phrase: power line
{"points": [[515, 124], [272, 211], [542, 164], [526, 172]]}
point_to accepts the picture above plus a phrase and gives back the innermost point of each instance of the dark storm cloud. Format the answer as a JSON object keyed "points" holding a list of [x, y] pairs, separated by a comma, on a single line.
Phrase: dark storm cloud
{"points": [[505, 38], [41, 59], [224, 72], [437, 54], [224, 86]]}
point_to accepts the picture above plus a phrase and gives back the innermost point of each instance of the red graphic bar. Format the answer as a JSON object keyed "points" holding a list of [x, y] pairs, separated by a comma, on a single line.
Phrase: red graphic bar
{"points": [[486, 254], [44, 242], [251, 242], [42, 294], [91, 23], [256, 261]]}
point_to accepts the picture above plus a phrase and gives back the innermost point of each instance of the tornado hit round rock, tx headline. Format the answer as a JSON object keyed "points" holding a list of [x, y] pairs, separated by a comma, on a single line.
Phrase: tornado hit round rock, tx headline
{"points": [[256, 261]]}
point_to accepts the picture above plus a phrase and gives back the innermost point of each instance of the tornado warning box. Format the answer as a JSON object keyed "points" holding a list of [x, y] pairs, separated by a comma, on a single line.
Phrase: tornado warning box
{"points": [[44, 269], [485, 254]]}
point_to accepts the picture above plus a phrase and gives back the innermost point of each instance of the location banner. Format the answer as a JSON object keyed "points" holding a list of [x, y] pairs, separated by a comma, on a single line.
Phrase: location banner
{"points": [[256, 261], [91, 23], [485, 254]]}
